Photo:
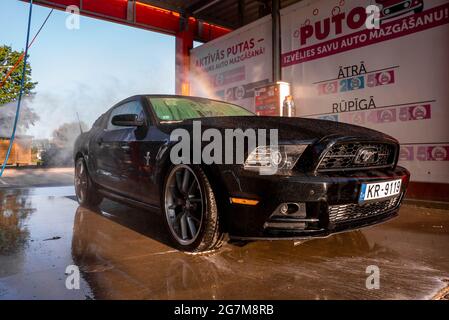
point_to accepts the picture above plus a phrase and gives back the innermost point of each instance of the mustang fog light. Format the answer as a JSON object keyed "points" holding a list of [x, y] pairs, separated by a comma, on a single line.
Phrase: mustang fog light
{"points": [[283, 209], [292, 208]]}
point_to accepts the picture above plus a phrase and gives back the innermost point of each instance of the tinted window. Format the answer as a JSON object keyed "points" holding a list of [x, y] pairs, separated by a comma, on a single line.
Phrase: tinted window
{"points": [[172, 108], [132, 107]]}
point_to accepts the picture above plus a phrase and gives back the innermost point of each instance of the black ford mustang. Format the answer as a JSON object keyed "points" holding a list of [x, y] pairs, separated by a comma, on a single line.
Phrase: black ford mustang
{"points": [[334, 177]]}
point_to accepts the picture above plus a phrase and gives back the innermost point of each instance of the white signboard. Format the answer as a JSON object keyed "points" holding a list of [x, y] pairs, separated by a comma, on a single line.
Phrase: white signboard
{"points": [[394, 79], [229, 68]]}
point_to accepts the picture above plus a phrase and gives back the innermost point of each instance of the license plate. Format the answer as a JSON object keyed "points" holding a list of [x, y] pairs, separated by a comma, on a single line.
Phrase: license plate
{"points": [[379, 190]]}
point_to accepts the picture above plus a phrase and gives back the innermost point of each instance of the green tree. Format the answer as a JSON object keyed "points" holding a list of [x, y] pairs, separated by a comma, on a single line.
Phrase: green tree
{"points": [[9, 90]]}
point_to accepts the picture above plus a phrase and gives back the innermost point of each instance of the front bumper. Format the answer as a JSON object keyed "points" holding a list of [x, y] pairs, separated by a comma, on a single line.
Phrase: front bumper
{"points": [[328, 202]]}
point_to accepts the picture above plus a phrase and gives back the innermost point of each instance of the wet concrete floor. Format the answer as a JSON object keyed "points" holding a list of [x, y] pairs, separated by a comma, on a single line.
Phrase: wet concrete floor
{"points": [[123, 253], [36, 177]]}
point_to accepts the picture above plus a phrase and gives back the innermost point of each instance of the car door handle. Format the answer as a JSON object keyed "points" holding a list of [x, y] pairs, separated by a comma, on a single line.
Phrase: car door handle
{"points": [[125, 147]]}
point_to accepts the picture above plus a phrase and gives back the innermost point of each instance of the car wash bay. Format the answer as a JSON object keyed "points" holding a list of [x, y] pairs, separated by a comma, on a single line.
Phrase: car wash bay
{"points": [[123, 253]]}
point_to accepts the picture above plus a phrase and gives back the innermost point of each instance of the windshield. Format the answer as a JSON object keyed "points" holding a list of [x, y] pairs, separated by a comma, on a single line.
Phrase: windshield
{"points": [[176, 109]]}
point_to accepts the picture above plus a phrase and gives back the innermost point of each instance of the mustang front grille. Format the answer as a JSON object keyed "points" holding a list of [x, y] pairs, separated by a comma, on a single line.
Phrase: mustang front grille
{"points": [[354, 211], [356, 155]]}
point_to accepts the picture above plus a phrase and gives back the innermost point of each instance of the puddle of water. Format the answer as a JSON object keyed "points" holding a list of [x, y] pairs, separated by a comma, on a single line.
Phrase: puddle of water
{"points": [[15, 210], [54, 191]]}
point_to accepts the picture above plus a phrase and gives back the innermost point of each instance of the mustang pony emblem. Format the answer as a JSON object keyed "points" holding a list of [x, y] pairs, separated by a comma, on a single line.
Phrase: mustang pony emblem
{"points": [[366, 156], [147, 158]]}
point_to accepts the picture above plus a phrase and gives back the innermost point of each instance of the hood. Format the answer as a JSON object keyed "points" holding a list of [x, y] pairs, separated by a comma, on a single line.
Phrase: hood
{"points": [[289, 129]]}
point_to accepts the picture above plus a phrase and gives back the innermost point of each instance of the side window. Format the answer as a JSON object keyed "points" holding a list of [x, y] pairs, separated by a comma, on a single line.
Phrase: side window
{"points": [[132, 107]]}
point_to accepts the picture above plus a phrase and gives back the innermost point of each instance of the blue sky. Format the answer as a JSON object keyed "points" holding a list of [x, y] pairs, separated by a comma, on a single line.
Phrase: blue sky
{"points": [[89, 69]]}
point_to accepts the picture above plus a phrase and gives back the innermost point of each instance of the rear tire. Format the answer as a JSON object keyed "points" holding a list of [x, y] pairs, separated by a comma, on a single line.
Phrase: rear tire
{"points": [[190, 210], [86, 193]]}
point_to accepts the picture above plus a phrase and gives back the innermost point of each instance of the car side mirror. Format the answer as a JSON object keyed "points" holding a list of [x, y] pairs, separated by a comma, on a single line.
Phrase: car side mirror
{"points": [[127, 120]]}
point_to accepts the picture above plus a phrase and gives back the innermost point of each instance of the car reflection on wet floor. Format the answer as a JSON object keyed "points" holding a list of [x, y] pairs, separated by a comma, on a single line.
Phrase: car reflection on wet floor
{"points": [[124, 253]]}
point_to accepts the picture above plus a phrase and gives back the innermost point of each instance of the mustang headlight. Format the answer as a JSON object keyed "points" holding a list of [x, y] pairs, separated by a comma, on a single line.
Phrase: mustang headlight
{"points": [[277, 159]]}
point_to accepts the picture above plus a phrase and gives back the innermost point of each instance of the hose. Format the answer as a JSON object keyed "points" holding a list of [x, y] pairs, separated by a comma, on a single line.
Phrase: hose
{"points": [[23, 54], [22, 84]]}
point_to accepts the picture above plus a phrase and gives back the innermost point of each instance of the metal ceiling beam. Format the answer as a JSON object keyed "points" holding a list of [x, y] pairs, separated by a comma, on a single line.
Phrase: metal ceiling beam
{"points": [[201, 5], [138, 14], [224, 12], [241, 12], [216, 21], [198, 11], [161, 4]]}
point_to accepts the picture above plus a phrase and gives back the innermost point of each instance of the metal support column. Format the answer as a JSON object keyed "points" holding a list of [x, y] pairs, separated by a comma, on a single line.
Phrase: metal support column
{"points": [[184, 42], [241, 12], [276, 37]]}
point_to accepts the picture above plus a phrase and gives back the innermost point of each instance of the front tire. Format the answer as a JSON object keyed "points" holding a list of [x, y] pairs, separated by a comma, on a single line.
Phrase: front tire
{"points": [[190, 210], [85, 190]]}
